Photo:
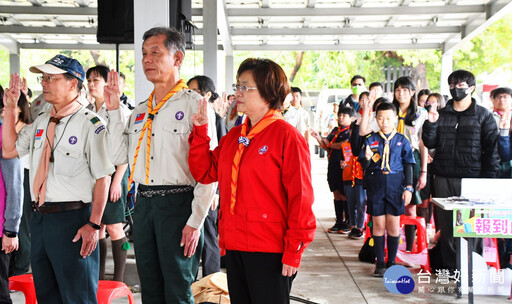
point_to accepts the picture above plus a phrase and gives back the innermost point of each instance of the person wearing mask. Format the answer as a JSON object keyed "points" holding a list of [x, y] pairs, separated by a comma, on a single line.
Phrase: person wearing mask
{"points": [[470, 129], [357, 84]]}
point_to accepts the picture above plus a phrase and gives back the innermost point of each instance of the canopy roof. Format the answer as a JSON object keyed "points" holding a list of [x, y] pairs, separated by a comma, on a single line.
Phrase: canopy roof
{"points": [[271, 24]]}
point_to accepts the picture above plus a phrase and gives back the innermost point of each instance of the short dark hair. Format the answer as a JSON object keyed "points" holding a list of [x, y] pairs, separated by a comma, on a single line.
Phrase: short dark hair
{"points": [[100, 70], [270, 80], [462, 76], [79, 83], [205, 85], [355, 77], [423, 92], [376, 84], [346, 110], [384, 106], [174, 40], [296, 90], [501, 90], [378, 101], [440, 99], [363, 94], [122, 75], [406, 82]]}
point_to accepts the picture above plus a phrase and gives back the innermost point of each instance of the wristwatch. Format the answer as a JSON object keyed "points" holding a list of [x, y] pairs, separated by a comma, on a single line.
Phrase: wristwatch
{"points": [[10, 234], [93, 225], [409, 188]]}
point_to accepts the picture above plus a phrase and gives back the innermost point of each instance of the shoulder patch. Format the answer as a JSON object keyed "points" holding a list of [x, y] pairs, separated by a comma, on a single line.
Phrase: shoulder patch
{"points": [[95, 120], [99, 129], [368, 136]]}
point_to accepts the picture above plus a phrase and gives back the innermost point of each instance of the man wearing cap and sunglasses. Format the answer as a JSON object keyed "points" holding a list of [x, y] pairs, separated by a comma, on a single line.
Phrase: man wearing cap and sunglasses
{"points": [[69, 177]]}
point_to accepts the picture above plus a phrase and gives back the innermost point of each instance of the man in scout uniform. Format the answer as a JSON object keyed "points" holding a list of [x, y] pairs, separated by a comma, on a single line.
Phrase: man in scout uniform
{"points": [[170, 206], [69, 179]]}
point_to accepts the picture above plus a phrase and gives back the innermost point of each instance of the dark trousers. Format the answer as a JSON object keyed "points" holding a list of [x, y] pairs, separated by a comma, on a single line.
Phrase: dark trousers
{"points": [[211, 250], [5, 298], [20, 261], [446, 187], [60, 273], [165, 273], [256, 277]]}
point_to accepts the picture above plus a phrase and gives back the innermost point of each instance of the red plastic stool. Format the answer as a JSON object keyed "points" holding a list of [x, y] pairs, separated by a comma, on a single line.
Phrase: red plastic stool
{"points": [[25, 284], [420, 246], [110, 290]]}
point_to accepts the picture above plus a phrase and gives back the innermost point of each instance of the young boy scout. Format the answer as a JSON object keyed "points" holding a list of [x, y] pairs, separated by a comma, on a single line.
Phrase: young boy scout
{"points": [[171, 206], [388, 158], [69, 178]]}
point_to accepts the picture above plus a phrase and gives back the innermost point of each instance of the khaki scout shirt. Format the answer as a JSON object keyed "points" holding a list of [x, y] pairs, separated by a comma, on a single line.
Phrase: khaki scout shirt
{"points": [[103, 113], [168, 165], [81, 155]]}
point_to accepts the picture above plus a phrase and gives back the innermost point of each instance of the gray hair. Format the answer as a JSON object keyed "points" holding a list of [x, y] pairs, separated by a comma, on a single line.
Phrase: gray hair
{"points": [[174, 40]]}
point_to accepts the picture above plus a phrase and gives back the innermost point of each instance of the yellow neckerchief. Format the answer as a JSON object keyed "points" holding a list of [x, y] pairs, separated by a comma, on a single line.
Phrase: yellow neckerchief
{"points": [[385, 152], [244, 141], [147, 127], [401, 122]]}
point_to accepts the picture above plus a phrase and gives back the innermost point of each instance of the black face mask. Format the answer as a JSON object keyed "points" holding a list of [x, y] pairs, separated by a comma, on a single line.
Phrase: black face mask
{"points": [[458, 94]]}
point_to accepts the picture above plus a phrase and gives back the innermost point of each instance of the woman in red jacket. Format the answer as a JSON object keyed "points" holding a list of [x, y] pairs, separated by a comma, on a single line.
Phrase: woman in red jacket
{"points": [[264, 172]]}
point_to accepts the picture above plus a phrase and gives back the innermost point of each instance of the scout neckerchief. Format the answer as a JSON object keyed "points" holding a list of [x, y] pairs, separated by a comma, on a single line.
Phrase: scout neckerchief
{"points": [[39, 186], [147, 127], [243, 141], [353, 169], [385, 152], [401, 122], [343, 132]]}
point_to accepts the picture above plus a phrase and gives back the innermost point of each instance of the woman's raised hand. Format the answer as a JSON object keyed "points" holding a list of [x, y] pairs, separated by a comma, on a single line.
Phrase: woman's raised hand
{"points": [[12, 94], [112, 93], [201, 117]]}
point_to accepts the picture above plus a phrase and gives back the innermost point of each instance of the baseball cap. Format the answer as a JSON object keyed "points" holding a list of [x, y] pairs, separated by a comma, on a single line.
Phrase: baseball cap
{"points": [[61, 64]]}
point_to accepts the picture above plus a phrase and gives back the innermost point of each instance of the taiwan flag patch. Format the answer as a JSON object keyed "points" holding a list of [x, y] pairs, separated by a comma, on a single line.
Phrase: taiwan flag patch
{"points": [[374, 145], [139, 118], [39, 133]]}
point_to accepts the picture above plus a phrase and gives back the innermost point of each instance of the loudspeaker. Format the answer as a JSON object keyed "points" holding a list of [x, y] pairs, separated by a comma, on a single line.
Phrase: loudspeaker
{"points": [[115, 21]]}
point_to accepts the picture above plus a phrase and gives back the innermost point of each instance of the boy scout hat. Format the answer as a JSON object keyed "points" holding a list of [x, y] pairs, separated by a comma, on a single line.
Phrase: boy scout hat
{"points": [[61, 64]]}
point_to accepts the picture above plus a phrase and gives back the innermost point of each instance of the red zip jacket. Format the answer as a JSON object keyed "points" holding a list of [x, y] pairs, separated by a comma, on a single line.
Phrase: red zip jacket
{"points": [[274, 194]]}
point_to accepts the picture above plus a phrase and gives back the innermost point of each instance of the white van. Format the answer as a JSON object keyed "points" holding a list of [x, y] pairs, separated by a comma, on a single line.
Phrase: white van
{"points": [[324, 107]]}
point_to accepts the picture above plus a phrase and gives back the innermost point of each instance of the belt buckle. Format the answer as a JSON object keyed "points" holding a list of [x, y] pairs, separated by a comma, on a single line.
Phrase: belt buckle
{"points": [[385, 172]]}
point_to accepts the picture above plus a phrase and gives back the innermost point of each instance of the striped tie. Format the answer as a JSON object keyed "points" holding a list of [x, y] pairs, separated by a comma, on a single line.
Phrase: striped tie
{"points": [[147, 127], [243, 141]]}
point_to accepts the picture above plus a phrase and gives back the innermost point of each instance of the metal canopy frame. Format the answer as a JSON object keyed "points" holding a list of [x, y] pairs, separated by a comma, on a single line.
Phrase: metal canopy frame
{"points": [[271, 24]]}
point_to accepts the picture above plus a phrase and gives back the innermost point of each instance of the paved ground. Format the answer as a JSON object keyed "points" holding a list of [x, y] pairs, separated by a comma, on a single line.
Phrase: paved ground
{"points": [[330, 271]]}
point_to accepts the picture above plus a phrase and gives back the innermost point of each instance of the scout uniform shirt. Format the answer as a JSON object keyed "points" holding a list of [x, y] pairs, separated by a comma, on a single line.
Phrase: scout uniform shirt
{"points": [[102, 112], [400, 152], [169, 151], [413, 133], [80, 155]]}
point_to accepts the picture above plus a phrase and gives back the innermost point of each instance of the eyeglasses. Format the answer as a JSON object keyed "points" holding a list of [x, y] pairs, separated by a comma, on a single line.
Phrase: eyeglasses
{"points": [[47, 79], [242, 88]]}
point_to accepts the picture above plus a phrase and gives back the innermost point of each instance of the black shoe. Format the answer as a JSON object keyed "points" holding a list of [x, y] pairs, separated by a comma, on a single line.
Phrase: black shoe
{"points": [[334, 229], [380, 269], [355, 234], [344, 228], [389, 264]]}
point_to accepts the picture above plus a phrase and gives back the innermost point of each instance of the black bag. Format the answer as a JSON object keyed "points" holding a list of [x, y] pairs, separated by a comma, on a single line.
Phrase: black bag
{"points": [[367, 252]]}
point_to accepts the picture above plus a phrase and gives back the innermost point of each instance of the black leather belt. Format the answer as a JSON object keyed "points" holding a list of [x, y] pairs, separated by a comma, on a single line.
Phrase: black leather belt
{"points": [[50, 208], [150, 191]]}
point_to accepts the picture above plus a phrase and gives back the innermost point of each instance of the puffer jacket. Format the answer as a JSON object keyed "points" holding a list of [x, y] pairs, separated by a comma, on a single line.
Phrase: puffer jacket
{"points": [[466, 142]]}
